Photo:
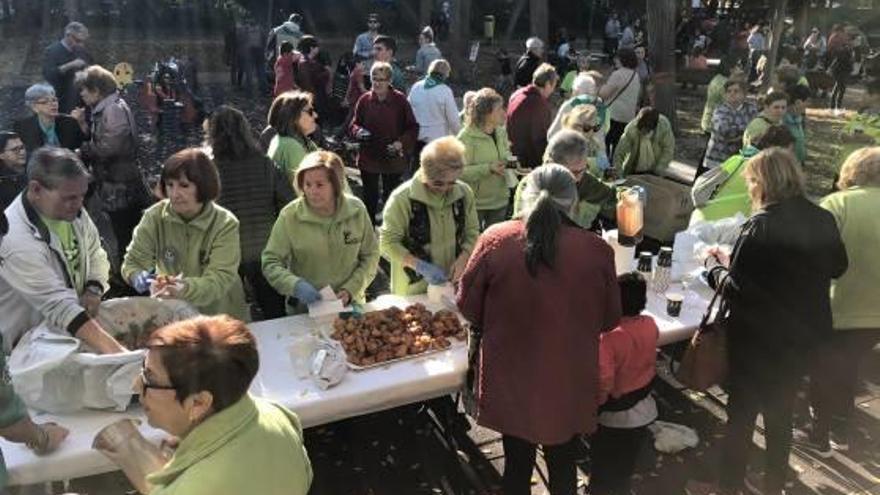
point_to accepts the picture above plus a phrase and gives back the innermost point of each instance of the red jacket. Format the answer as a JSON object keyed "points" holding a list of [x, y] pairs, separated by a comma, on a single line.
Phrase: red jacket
{"points": [[537, 374], [627, 356], [388, 121], [528, 118]]}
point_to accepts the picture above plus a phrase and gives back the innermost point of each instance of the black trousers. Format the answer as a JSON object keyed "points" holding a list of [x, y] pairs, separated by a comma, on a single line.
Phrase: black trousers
{"points": [[834, 378], [615, 132], [270, 302], [123, 223], [837, 92], [613, 454], [519, 459], [768, 388], [371, 190]]}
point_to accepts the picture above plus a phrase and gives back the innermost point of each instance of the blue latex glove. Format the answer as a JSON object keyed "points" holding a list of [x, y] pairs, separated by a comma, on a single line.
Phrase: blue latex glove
{"points": [[141, 281], [432, 273], [305, 292], [602, 162]]}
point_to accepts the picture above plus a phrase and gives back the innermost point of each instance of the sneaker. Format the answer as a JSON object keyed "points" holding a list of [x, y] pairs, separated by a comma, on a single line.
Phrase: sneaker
{"points": [[821, 446]]}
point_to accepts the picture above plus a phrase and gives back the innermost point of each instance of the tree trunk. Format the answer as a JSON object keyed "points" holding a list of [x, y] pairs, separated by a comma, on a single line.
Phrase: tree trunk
{"points": [[425, 12], [46, 20], [514, 18], [802, 18], [458, 37], [661, 42], [270, 9], [775, 40], [539, 19]]}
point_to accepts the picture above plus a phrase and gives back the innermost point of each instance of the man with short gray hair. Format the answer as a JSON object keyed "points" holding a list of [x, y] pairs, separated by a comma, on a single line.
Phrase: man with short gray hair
{"points": [[530, 60], [53, 270], [62, 60]]}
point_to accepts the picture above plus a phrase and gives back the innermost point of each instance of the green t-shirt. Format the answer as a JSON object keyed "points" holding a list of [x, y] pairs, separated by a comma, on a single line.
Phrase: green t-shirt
{"points": [[69, 248]]}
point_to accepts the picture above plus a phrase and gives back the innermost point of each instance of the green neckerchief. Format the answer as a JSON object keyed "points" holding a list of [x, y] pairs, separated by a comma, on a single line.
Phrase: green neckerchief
{"points": [[49, 133], [69, 248], [432, 80]]}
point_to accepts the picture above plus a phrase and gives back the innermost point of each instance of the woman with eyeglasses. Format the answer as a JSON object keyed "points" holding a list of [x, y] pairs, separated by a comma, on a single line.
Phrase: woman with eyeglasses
{"points": [[487, 151], [294, 119], [47, 127], [430, 221], [13, 171], [572, 149], [187, 246], [194, 386], [386, 126], [584, 119], [647, 145], [323, 238]]}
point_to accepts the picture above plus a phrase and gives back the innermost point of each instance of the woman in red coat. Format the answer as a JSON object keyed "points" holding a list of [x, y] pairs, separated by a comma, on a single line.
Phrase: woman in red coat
{"points": [[541, 289]]}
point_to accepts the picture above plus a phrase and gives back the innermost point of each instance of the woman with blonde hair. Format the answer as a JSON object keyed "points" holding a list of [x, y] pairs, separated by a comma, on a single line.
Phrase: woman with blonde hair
{"points": [[584, 119], [487, 150], [776, 285], [430, 221], [323, 238], [854, 299]]}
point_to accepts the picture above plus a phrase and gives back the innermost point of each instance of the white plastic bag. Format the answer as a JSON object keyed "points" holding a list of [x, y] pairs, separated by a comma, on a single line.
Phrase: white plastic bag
{"points": [[671, 438], [329, 364]]}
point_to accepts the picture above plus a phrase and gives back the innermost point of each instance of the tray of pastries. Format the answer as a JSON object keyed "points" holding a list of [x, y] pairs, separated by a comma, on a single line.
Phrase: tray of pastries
{"points": [[378, 338]]}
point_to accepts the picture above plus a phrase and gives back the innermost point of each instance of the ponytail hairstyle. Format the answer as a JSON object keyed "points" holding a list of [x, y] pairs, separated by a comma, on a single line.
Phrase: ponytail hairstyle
{"points": [[549, 195]]}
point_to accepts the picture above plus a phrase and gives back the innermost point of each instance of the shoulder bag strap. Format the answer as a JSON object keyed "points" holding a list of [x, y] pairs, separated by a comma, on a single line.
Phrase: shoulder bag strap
{"points": [[625, 86]]}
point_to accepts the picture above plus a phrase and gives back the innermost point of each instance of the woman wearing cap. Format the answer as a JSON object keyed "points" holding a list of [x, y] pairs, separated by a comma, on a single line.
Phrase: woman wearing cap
{"points": [[486, 153], [194, 386], [539, 353], [430, 221], [323, 238], [47, 127], [187, 246], [777, 278]]}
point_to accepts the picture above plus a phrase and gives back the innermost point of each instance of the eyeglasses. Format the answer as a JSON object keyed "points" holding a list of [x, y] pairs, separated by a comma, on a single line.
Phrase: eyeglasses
{"points": [[15, 149], [587, 128], [380, 80], [146, 384], [46, 101]]}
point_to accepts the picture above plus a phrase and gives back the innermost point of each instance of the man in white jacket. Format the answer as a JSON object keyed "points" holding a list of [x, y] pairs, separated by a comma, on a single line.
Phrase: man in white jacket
{"points": [[52, 267]]}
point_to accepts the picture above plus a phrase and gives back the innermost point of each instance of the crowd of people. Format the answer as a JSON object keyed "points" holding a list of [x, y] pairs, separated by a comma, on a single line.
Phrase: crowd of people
{"points": [[499, 201]]}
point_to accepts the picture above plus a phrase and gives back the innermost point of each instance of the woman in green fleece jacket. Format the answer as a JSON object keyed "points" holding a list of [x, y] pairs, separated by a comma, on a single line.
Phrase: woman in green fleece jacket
{"points": [[186, 246], [323, 238], [854, 298], [647, 145], [430, 222], [194, 385], [293, 116], [486, 152]]}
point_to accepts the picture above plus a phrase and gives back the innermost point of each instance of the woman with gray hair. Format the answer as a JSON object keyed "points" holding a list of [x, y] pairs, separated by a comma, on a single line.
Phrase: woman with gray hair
{"points": [[47, 127], [571, 150], [543, 355]]}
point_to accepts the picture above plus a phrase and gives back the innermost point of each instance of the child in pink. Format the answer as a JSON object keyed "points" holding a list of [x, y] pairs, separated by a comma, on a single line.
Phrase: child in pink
{"points": [[284, 69], [627, 360]]}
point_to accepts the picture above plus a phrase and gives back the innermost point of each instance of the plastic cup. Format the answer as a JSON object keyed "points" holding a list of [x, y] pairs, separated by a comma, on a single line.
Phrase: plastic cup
{"points": [[674, 301]]}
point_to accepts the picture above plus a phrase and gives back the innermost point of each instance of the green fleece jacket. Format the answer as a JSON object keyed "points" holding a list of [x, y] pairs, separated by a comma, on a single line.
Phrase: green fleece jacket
{"points": [[629, 157], [395, 228], [340, 251], [732, 196], [252, 447], [714, 97], [756, 128], [481, 153], [205, 250], [594, 196], [855, 295], [287, 152]]}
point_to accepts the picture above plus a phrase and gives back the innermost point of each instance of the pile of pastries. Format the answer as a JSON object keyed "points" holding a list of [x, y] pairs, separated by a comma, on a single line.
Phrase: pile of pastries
{"points": [[395, 333]]}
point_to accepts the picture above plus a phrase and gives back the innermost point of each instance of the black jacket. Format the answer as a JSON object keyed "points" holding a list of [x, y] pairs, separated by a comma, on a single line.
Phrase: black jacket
{"points": [[55, 56], [11, 184], [778, 285], [66, 127], [525, 67], [255, 190]]}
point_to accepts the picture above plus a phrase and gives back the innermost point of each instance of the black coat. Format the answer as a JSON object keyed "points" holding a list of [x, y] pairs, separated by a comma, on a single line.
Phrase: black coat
{"points": [[11, 184], [57, 55], [66, 127], [255, 190], [779, 282], [525, 68]]}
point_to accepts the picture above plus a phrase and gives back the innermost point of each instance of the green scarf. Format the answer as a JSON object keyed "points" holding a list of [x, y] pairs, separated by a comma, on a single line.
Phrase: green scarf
{"points": [[433, 80]]}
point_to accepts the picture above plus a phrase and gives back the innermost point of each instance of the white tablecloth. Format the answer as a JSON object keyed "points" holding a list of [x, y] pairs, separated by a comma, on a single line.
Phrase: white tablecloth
{"points": [[359, 393]]}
